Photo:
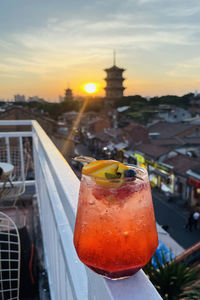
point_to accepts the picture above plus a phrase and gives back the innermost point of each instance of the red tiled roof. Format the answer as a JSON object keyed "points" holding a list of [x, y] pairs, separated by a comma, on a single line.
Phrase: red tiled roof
{"points": [[167, 142], [100, 125], [114, 132], [168, 130], [102, 136], [132, 126], [176, 141], [151, 150], [192, 140], [182, 163], [136, 133]]}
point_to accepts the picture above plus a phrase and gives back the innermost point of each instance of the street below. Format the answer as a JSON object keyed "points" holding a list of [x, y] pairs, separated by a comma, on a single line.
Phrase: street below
{"points": [[175, 216]]}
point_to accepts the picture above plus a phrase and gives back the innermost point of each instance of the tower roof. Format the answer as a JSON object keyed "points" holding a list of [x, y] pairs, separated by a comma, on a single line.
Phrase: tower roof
{"points": [[114, 68]]}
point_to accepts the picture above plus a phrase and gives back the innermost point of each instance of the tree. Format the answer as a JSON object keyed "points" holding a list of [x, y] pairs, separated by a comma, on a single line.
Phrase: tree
{"points": [[173, 280]]}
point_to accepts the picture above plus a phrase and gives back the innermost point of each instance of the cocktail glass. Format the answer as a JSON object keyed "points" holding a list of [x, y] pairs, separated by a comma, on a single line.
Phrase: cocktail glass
{"points": [[115, 232]]}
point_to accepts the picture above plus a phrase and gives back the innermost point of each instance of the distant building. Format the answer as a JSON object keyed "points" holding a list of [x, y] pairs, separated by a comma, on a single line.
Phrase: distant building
{"points": [[194, 185], [68, 117], [19, 98], [174, 115], [68, 94], [114, 82], [35, 99], [61, 99]]}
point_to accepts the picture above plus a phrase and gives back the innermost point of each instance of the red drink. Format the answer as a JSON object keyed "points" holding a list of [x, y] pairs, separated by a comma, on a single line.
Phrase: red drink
{"points": [[115, 232]]}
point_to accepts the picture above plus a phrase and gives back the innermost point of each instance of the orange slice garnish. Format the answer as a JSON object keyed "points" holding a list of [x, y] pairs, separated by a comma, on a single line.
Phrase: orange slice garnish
{"points": [[100, 169]]}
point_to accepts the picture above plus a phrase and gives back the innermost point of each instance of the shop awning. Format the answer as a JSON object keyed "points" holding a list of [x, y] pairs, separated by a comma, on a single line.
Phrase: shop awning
{"points": [[193, 174], [128, 153], [120, 146], [163, 175]]}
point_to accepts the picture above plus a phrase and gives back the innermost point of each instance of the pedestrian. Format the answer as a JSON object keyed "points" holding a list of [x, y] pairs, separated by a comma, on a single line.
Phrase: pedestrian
{"points": [[190, 222], [196, 216]]}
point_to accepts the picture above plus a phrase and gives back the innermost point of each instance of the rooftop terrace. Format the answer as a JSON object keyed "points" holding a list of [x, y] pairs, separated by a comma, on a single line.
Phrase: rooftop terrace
{"points": [[57, 190]]}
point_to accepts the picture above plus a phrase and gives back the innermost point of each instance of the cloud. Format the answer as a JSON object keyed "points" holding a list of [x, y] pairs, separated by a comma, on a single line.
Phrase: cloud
{"points": [[58, 36], [160, 34], [186, 69], [183, 11], [148, 1], [5, 44], [67, 44]]}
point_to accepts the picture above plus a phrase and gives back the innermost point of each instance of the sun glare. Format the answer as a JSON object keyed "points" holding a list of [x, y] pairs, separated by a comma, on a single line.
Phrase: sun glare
{"points": [[90, 88]]}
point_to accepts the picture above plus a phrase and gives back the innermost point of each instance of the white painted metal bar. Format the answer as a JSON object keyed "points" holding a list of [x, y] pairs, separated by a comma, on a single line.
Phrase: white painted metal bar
{"points": [[13, 260], [11, 251], [12, 279], [8, 290], [11, 234], [15, 155], [18, 183], [2, 242], [15, 122], [67, 183], [8, 148], [9, 277], [21, 157], [6, 270], [16, 134], [56, 226], [66, 186]]}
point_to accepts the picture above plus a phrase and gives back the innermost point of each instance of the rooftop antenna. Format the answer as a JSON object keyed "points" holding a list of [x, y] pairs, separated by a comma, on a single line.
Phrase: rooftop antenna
{"points": [[114, 58]]}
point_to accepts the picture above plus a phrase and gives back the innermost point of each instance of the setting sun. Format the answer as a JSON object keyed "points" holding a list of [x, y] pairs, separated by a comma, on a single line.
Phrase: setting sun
{"points": [[90, 88]]}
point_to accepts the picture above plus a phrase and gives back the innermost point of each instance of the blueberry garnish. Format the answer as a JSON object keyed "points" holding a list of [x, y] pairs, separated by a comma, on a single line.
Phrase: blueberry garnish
{"points": [[130, 173]]}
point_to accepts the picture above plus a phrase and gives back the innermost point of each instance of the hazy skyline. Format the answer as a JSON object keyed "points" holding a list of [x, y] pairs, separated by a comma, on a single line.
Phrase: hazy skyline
{"points": [[46, 45]]}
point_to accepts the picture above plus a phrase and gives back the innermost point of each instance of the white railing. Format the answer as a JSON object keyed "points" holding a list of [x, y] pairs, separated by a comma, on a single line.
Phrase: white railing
{"points": [[57, 193]]}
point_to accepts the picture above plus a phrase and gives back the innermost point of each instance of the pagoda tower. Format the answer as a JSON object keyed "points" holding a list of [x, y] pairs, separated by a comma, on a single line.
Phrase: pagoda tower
{"points": [[114, 81], [68, 94]]}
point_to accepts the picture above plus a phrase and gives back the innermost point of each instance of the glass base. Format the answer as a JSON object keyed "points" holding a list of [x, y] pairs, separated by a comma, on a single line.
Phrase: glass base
{"points": [[116, 275]]}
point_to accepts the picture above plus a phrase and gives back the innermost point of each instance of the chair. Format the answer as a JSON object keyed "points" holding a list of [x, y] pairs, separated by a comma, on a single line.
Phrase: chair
{"points": [[10, 253], [21, 159]]}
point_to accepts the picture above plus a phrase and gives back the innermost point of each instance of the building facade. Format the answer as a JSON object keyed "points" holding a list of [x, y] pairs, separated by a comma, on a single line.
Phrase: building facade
{"points": [[19, 98]]}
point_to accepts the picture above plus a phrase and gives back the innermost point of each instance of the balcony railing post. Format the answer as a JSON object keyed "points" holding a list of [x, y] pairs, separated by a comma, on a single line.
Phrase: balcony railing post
{"points": [[8, 148], [21, 158]]}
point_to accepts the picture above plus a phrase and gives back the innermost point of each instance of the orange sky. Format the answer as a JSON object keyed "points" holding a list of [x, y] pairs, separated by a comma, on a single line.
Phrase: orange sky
{"points": [[45, 48]]}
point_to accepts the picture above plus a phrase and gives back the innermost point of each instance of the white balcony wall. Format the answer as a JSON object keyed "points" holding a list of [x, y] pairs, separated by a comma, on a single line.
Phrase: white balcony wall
{"points": [[57, 192]]}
